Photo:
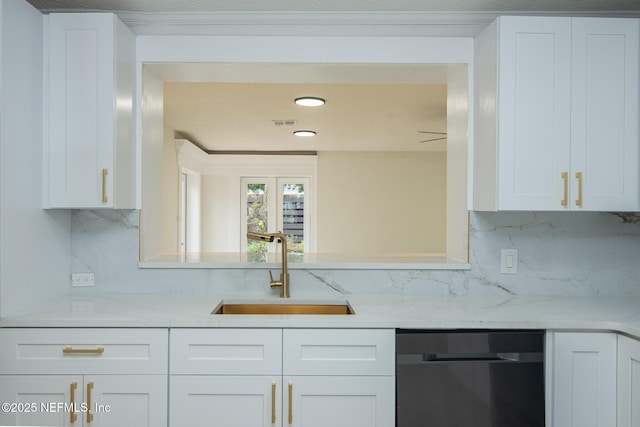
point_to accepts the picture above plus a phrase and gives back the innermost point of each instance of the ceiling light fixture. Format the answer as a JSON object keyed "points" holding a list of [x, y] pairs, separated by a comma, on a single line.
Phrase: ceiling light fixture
{"points": [[309, 101], [306, 133]]}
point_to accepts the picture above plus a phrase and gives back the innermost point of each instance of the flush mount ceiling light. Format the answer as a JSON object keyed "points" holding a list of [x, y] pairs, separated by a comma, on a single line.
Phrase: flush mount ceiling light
{"points": [[306, 133], [309, 101]]}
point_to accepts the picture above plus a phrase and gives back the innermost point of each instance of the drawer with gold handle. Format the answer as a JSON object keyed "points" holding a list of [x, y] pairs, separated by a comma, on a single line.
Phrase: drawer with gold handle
{"points": [[42, 351]]}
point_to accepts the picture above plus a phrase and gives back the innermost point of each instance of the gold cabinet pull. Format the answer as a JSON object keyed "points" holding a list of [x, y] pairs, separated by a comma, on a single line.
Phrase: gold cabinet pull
{"points": [[72, 399], [105, 172], [71, 350], [273, 402], [290, 403], [565, 178], [89, 414], [579, 177]]}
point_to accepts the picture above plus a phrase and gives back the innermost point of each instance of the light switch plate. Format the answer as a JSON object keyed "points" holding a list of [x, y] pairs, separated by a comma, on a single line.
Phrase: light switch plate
{"points": [[509, 261]]}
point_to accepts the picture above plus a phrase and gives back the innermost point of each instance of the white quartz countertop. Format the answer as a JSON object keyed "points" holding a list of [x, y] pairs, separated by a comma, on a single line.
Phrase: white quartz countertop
{"points": [[620, 314]]}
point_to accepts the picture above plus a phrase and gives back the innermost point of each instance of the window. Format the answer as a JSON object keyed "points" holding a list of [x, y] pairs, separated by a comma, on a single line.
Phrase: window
{"points": [[271, 204]]}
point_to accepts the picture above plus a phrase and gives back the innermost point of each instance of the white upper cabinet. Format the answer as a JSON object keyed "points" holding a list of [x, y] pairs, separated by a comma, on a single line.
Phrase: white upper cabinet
{"points": [[604, 123], [556, 124], [90, 153]]}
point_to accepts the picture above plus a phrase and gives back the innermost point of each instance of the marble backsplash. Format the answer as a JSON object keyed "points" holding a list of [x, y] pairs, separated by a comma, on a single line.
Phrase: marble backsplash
{"points": [[563, 253]]}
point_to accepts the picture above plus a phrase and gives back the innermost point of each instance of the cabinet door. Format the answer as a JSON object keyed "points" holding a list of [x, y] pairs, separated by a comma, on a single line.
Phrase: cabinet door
{"points": [[40, 400], [126, 400], [339, 401], [605, 96], [584, 379], [230, 401], [533, 113], [81, 115], [90, 98], [628, 382]]}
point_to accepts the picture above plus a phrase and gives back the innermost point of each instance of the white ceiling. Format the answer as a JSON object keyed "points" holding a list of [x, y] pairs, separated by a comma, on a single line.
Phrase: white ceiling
{"points": [[339, 5], [249, 116], [376, 107]]}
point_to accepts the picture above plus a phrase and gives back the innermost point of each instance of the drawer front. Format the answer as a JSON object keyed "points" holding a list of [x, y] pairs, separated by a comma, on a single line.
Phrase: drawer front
{"points": [[83, 350], [226, 352], [339, 352]]}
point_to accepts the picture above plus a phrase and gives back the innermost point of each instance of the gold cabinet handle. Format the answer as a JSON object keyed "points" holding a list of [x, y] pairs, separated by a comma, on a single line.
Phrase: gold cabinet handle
{"points": [[72, 399], [565, 178], [273, 402], [290, 403], [89, 414], [105, 172], [71, 350], [579, 177]]}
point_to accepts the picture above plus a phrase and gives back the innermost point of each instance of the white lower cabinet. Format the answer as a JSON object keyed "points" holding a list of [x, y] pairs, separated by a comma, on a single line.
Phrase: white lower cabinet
{"points": [[230, 401], [583, 379], [26, 395], [83, 377], [76, 400], [253, 377], [341, 378], [126, 400], [628, 382], [270, 377], [319, 401]]}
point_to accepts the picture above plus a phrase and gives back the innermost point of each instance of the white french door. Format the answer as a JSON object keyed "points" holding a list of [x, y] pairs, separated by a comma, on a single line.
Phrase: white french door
{"points": [[271, 204]]}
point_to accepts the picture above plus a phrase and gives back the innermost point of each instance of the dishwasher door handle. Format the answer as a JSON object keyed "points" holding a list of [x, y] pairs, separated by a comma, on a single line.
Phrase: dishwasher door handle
{"points": [[413, 359]]}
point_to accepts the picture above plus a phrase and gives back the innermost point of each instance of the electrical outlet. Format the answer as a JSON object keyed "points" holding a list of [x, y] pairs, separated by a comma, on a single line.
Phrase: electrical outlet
{"points": [[509, 261], [82, 279]]}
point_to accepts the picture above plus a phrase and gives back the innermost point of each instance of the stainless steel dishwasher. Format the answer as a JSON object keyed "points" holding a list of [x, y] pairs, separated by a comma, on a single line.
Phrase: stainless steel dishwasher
{"points": [[465, 378]]}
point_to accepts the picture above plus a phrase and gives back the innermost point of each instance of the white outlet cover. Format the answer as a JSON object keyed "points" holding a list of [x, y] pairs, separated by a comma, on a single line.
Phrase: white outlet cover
{"points": [[82, 279]]}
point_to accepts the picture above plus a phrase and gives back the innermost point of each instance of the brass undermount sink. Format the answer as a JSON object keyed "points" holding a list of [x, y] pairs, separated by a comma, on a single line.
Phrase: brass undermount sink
{"points": [[283, 308]]}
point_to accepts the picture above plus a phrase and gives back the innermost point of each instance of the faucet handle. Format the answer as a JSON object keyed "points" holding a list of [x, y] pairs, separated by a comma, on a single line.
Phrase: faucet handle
{"points": [[275, 283]]}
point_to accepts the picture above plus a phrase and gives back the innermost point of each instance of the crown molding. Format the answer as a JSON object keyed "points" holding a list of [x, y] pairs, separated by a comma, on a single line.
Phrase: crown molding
{"points": [[323, 23], [443, 24], [437, 24]]}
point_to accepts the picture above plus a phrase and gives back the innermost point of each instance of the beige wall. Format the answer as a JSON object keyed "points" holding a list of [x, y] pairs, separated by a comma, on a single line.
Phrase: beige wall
{"points": [[220, 213], [367, 203], [381, 202]]}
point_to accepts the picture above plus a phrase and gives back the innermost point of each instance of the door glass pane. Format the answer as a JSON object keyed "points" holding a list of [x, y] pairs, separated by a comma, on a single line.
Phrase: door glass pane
{"points": [[293, 217], [257, 220]]}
